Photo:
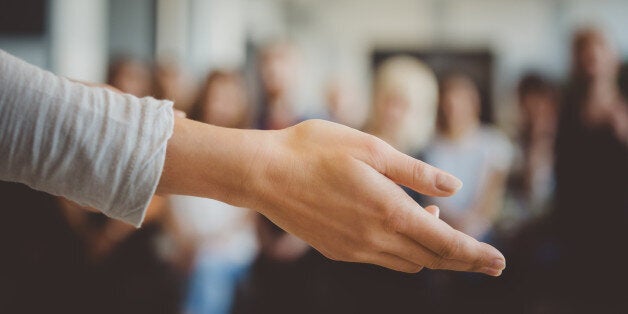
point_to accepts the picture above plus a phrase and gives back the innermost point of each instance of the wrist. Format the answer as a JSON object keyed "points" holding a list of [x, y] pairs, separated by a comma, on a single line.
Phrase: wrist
{"points": [[209, 161], [253, 154]]}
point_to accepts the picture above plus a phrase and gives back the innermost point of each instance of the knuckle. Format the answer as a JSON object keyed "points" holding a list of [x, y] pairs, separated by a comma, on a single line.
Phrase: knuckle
{"points": [[375, 148], [451, 247], [436, 263], [306, 128], [481, 258], [312, 123], [420, 173]]}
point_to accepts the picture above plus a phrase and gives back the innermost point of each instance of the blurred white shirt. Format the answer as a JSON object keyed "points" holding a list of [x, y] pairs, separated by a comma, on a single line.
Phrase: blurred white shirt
{"points": [[222, 229], [472, 159]]}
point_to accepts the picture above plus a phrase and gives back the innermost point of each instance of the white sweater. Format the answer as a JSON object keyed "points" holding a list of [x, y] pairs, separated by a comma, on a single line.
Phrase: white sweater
{"points": [[96, 147]]}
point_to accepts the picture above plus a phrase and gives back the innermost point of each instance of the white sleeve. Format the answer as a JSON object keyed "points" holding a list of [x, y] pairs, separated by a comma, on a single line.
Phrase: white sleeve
{"points": [[96, 147]]}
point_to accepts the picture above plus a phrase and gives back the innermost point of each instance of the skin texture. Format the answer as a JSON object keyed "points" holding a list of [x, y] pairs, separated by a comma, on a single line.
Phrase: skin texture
{"points": [[330, 185]]}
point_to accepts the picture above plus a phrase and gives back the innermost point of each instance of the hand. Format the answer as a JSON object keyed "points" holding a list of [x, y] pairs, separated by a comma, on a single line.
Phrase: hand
{"points": [[337, 189], [334, 187]]}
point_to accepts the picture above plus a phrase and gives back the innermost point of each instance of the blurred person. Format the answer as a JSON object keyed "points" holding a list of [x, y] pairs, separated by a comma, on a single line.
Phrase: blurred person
{"points": [[404, 108], [480, 154], [172, 82], [279, 66], [533, 174], [404, 104], [551, 259], [539, 103], [224, 235], [593, 130], [130, 76]]}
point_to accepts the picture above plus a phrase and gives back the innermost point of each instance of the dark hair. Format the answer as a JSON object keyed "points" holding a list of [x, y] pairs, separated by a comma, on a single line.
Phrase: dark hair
{"points": [[534, 83], [449, 81], [450, 78], [583, 38]]}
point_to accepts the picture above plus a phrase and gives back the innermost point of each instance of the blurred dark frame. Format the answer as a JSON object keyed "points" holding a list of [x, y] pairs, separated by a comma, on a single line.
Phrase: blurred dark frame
{"points": [[23, 17], [477, 64]]}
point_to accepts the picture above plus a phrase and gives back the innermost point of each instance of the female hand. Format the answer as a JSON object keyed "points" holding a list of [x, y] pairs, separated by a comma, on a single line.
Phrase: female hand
{"points": [[332, 186], [337, 189]]}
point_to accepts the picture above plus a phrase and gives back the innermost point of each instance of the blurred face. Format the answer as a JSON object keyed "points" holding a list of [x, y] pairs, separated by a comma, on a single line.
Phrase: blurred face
{"points": [[459, 107], [539, 110], [278, 70], [225, 103], [595, 57], [391, 109], [133, 78]]}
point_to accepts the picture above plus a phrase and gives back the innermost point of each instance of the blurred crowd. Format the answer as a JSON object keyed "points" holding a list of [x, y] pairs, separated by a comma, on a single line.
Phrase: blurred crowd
{"points": [[553, 198]]}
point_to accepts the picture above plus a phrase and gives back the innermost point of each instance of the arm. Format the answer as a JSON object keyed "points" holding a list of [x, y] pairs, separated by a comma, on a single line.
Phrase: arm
{"points": [[334, 187], [97, 147]]}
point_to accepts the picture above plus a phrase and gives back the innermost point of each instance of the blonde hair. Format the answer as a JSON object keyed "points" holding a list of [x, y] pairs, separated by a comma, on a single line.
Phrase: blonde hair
{"points": [[416, 82]]}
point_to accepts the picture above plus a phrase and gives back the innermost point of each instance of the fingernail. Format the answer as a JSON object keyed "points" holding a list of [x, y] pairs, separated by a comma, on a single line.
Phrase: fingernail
{"points": [[448, 183], [491, 271], [498, 263]]}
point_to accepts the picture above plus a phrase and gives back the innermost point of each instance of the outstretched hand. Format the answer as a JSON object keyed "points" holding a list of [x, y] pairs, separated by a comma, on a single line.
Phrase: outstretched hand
{"points": [[338, 189], [334, 187]]}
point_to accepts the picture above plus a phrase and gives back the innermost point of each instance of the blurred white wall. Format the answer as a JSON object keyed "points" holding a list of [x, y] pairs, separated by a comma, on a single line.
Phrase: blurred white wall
{"points": [[338, 36], [217, 34], [172, 31], [131, 28], [79, 38], [32, 49]]}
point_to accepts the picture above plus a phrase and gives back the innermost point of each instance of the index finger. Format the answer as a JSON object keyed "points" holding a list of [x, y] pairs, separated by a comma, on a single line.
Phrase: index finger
{"points": [[411, 172]]}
